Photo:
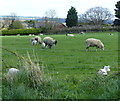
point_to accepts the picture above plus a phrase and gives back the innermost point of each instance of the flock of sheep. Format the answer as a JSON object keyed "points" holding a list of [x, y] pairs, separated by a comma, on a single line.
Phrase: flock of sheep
{"points": [[50, 42]]}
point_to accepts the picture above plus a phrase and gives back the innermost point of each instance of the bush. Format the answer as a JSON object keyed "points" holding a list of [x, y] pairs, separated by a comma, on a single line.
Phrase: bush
{"points": [[21, 31]]}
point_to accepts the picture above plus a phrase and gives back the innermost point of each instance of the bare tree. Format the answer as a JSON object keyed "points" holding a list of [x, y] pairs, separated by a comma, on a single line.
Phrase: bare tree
{"points": [[51, 14], [51, 19], [96, 15], [7, 20]]}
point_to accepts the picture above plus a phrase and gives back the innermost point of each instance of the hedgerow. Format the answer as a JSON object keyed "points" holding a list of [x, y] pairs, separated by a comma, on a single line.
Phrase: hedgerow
{"points": [[21, 31]]}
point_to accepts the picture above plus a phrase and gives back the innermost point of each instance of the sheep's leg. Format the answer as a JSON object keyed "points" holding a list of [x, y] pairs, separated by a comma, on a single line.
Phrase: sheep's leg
{"points": [[50, 46]]}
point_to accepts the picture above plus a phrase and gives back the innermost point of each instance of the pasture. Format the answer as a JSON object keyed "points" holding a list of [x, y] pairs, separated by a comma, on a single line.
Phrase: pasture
{"points": [[72, 68]]}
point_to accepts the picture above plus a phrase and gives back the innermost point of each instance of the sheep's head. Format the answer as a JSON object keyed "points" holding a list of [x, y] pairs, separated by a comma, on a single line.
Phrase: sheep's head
{"points": [[55, 42], [102, 46]]}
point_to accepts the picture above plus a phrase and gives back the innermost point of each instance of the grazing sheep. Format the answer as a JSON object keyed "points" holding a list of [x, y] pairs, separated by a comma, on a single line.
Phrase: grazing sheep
{"points": [[36, 40], [41, 34], [11, 73], [50, 42], [82, 33], [110, 34], [91, 42], [18, 34], [71, 35], [104, 71], [30, 34]]}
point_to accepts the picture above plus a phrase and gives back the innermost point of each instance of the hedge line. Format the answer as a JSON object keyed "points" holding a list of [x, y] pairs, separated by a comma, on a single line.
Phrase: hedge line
{"points": [[87, 28], [21, 31]]}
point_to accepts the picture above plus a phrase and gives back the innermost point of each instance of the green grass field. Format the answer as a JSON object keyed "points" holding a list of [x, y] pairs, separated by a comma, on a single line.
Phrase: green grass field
{"points": [[71, 67]]}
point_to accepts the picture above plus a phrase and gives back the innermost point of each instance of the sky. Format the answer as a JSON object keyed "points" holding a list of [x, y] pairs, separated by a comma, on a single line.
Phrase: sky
{"points": [[39, 7]]}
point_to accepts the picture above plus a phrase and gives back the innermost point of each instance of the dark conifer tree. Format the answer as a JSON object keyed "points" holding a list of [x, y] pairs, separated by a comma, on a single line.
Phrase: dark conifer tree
{"points": [[117, 14], [72, 18]]}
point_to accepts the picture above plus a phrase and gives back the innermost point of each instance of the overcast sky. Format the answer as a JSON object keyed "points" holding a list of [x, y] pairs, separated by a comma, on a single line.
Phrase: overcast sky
{"points": [[39, 7]]}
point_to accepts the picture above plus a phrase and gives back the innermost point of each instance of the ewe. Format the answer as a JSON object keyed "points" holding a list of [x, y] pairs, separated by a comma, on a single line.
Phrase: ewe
{"points": [[49, 41], [91, 42], [104, 71]]}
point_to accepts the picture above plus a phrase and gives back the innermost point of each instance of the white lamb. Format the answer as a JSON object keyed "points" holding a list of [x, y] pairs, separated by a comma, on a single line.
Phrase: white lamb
{"points": [[34, 42], [91, 42], [104, 71], [71, 35], [11, 73], [50, 42]]}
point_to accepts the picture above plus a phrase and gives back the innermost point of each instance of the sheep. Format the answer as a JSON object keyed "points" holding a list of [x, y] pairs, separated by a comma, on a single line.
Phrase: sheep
{"points": [[71, 35], [36, 40], [91, 42], [82, 33], [50, 42], [11, 73], [41, 34], [104, 71], [110, 34]]}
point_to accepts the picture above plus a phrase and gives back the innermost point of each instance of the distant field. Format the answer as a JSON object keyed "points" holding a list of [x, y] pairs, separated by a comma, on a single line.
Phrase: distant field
{"points": [[69, 57]]}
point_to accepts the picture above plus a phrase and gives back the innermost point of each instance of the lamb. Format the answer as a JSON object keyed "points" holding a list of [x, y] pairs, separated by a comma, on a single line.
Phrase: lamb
{"points": [[36, 40], [11, 73], [92, 42], [82, 33], [71, 35], [49, 41], [104, 71]]}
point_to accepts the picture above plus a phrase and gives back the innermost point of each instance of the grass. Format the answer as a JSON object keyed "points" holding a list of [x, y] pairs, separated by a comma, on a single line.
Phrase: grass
{"points": [[72, 69]]}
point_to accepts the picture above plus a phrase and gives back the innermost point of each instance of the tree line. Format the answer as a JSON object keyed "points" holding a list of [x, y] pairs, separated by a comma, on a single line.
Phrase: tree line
{"points": [[93, 16]]}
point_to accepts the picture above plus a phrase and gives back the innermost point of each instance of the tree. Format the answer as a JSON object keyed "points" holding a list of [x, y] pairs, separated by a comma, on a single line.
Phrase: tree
{"points": [[51, 14], [96, 15], [72, 18], [16, 25], [117, 14], [8, 20], [50, 19], [5, 22], [31, 23]]}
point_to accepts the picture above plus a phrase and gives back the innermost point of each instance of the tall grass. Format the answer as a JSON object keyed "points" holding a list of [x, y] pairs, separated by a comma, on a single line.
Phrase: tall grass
{"points": [[28, 81]]}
